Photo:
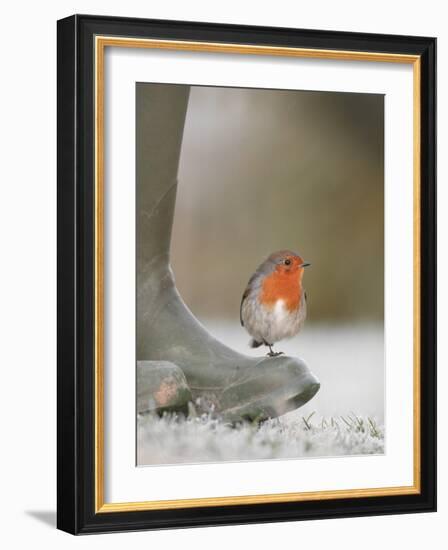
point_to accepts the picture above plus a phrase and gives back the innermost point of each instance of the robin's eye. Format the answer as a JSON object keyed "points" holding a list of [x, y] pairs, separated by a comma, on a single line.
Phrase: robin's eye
{"points": [[287, 261]]}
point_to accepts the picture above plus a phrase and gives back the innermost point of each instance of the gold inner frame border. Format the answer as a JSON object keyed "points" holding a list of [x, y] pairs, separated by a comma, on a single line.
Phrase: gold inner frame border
{"points": [[100, 44]]}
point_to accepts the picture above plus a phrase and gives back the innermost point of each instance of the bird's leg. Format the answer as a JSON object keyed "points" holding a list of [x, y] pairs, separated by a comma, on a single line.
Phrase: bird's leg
{"points": [[273, 353]]}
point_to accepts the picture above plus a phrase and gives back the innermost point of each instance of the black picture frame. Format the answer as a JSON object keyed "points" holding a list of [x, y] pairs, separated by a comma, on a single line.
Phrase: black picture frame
{"points": [[76, 301]]}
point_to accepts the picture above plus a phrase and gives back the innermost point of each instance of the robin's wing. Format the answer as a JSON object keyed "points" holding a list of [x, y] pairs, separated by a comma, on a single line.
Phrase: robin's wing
{"points": [[255, 282], [245, 295]]}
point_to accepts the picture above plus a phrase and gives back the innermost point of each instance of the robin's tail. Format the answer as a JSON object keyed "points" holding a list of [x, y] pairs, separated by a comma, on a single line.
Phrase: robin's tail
{"points": [[254, 343]]}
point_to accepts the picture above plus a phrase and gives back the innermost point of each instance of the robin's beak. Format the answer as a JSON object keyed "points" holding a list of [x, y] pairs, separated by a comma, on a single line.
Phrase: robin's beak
{"points": [[305, 264]]}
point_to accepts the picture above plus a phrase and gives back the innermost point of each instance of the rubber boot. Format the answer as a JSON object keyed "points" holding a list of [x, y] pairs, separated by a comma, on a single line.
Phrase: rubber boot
{"points": [[161, 387], [221, 380]]}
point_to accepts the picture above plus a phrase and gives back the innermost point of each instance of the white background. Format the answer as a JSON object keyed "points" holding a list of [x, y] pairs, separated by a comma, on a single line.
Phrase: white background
{"points": [[124, 482], [28, 272]]}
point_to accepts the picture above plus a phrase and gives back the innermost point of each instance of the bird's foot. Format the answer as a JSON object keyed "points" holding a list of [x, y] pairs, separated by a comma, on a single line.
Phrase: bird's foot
{"points": [[274, 353]]}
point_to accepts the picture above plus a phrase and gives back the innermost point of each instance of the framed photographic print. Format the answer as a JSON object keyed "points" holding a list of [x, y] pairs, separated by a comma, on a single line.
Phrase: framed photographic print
{"points": [[246, 274]]}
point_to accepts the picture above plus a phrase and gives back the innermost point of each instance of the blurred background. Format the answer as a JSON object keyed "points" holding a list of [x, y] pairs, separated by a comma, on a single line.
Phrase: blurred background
{"points": [[263, 170]]}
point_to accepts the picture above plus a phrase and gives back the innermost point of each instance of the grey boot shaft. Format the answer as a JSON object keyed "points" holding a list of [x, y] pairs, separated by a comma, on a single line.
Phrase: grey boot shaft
{"points": [[213, 376]]}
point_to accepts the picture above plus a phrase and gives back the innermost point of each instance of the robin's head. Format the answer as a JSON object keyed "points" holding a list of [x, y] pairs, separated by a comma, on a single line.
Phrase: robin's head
{"points": [[287, 262]]}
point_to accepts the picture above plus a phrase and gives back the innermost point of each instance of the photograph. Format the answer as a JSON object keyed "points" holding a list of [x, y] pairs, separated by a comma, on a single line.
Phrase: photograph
{"points": [[259, 274], [246, 274]]}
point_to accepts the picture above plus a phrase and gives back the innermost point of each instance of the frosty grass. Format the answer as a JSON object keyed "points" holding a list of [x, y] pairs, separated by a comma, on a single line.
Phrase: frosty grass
{"points": [[172, 439]]}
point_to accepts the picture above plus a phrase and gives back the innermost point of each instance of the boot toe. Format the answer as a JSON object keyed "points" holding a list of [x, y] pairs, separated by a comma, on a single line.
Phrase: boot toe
{"points": [[273, 387]]}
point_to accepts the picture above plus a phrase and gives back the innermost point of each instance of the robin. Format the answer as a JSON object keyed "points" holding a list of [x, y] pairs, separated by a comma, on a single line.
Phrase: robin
{"points": [[273, 306]]}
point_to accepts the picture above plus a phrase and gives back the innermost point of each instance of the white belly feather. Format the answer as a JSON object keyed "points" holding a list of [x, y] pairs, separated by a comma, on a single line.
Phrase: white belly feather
{"points": [[284, 324], [275, 324]]}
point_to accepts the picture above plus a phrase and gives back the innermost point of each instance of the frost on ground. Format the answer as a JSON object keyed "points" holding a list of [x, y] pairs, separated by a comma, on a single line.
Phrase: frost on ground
{"points": [[349, 363], [172, 439]]}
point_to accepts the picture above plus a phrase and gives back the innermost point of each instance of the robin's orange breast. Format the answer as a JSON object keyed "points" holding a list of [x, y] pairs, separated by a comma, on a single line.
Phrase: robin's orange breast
{"points": [[282, 286]]}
